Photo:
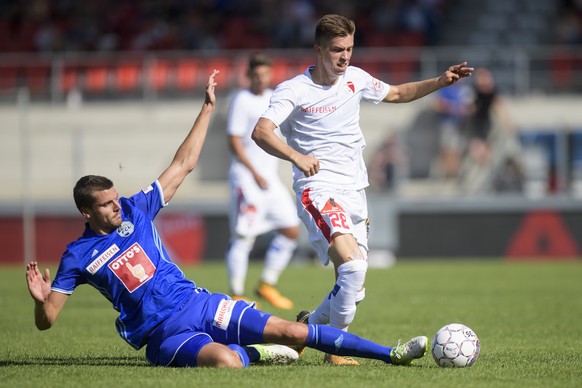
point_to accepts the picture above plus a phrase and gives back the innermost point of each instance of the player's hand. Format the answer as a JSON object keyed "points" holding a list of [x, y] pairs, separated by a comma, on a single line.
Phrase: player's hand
{"points": [[210, 98], [261, 182], [308, 164], [39, 286], [455, 73]]}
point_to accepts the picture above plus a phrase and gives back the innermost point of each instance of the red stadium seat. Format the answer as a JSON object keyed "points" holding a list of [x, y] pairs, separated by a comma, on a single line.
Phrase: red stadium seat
{"points": [[127, 77], [70, 79], [281, 71], [227, 70], [562, 65], [38, 78], [159, 75], [8, 77], [96, 79], [187, 74]]}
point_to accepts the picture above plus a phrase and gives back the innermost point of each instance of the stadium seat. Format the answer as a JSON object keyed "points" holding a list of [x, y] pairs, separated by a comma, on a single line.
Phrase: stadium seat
{"points": [[225, 66], [38, 78], [128, 76], [187, 74], [8, 77], [70, 79], [281, 71], [562, 66], [96, 79], [158, 75]]}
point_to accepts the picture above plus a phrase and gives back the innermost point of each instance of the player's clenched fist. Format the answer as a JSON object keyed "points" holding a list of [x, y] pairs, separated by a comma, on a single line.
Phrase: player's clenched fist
{"points": [[308, 164]]}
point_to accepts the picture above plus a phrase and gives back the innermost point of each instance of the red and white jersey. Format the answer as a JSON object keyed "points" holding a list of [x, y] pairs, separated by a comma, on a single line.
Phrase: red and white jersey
{"points": [[323, 121], [245, 110]]}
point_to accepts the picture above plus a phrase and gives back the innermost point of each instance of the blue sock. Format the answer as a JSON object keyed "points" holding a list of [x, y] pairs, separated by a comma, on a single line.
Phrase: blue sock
{"points": [[335, 341], [243, 353]]}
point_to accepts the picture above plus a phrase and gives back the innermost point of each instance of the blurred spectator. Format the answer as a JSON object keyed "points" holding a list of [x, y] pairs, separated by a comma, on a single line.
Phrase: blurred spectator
{"points": [[67, 25], [493, 151], [569, 28], [509, 179], [388, 164], [451, 106], [487, 105]]}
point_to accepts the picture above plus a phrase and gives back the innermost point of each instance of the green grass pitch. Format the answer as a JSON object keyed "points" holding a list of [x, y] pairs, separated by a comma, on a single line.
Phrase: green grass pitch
{"points": [[528, 317]]}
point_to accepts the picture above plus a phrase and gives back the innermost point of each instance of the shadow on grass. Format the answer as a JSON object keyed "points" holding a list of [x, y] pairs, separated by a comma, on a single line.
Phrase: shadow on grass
{"points": [[76, 361]]}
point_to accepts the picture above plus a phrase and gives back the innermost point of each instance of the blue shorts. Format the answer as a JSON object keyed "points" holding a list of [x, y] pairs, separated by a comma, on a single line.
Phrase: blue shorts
{"points": [[203, 319]]}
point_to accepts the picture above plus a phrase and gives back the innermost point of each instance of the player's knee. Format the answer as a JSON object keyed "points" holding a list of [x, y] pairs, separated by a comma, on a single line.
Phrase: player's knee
{"points": [[245, 243], [216, 355], [291, 233], [227, 359], [284, 243], [349, 292], [352, 275]]}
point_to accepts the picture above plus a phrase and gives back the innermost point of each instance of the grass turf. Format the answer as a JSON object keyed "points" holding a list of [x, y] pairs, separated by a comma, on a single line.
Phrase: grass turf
{"points": [[527, 316]]}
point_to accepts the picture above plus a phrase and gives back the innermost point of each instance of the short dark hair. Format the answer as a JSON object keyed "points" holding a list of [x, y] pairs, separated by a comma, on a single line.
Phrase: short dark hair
{"points": [[86, 186], [333, 26], [259, 59]]}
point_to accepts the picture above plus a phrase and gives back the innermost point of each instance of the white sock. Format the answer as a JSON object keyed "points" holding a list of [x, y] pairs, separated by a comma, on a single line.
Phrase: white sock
{"points": [[277, 258], [350, 280], [322, 312], [237, 262]]}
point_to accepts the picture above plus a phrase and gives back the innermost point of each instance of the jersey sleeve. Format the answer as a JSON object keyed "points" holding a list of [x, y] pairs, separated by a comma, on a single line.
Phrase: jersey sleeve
{"points": [[374, 90], [283, 101], [68, 276], [149, 200]]}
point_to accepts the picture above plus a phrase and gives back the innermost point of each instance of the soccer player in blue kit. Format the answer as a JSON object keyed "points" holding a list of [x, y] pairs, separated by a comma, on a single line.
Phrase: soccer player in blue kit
{"points": [[122, 256]]}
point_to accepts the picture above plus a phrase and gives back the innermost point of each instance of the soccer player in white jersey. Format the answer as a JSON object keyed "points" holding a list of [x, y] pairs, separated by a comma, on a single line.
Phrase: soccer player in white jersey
{"points": [[121, 255], [318, 112], [259, 202]]}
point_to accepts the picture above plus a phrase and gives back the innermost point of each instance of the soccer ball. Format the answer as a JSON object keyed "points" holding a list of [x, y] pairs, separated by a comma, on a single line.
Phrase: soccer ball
{"points": [[455, 345]]}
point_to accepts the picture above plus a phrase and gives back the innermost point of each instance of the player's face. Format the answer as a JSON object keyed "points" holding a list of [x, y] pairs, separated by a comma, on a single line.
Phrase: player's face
{"points": [[105, 214], [260, 78], [336, 54]]}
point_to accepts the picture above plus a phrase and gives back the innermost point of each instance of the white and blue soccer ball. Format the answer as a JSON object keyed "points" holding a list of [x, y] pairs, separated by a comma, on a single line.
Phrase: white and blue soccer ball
{"points": [[455, 346]]}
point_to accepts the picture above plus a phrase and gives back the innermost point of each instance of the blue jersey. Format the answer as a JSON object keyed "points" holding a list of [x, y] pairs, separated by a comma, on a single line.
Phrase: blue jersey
{"points": [[130, 267]]}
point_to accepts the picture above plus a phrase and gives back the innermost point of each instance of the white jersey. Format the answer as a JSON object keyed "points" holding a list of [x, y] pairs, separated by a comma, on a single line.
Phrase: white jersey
{"points": [[243, 114], [323, 121]]}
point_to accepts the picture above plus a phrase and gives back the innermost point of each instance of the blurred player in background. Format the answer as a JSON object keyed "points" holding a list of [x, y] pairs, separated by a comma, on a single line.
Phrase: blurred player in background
{"points": [[182, 325], [259, 202], [318, 113]]}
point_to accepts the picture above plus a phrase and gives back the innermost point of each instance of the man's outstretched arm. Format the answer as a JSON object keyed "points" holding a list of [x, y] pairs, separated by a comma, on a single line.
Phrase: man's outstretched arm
{"points": [[414, 90], [47, 304], [186, 157]]}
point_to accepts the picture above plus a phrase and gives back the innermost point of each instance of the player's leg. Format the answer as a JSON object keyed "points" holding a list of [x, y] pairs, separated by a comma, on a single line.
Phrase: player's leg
{"points": [[337, 226], [281, 215], [340, 237], [202, 351], [210, 354], [212, 330], [334, 341], [277, 258], [242, 217], [237, 261], [351, 266]]}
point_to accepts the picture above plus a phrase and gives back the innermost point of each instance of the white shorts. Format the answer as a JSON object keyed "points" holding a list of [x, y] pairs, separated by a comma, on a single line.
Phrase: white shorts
{"points": [[254, 211], [328, 211]]}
